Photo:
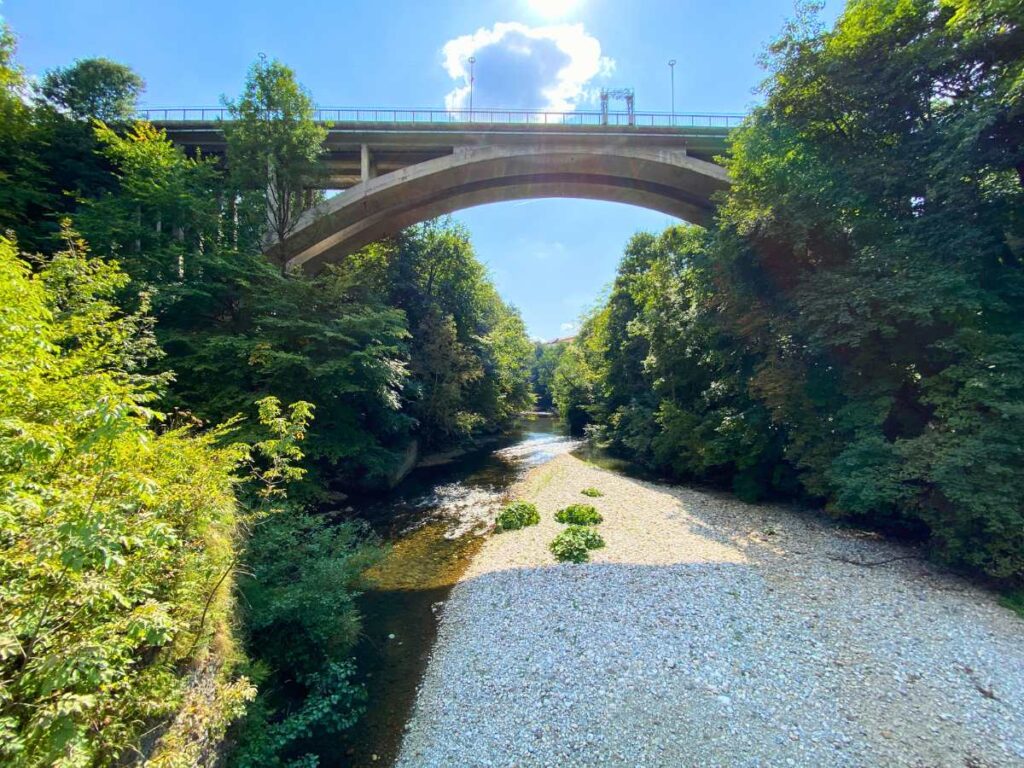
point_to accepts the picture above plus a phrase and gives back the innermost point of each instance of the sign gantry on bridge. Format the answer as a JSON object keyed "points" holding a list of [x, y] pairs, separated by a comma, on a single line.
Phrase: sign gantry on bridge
{"points": [[400, 167]]}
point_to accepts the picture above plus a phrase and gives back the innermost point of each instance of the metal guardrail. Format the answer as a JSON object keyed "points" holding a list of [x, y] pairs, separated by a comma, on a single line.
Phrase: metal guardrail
{"points": [[486, 116]]}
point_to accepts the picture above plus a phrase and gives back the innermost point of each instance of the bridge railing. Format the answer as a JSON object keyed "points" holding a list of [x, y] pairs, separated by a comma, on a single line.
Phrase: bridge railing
{"points": [[485, 116]]}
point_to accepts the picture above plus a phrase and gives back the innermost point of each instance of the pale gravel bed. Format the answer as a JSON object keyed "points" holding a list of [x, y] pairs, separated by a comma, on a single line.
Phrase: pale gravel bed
{"points": [[713, 633]]}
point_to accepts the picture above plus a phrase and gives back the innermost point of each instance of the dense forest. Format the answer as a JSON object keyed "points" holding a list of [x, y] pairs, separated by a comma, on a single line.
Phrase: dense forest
{"points": [[169, 558], [851, 330], [179, 418]]}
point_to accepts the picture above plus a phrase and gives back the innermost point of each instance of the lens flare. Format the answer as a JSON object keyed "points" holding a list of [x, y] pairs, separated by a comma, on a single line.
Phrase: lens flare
{"points": [[554, 9]]}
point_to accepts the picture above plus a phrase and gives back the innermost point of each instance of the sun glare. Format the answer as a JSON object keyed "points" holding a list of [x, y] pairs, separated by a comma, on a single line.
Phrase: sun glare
{"points": [[554, 9]]}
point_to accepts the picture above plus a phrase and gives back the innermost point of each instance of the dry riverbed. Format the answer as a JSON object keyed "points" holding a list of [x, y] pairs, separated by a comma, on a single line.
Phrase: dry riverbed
{"points": [[713, 633]]}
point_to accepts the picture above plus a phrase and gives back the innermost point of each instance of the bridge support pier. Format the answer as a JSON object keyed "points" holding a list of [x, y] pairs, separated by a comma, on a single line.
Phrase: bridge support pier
{"points": [[367, 167]]}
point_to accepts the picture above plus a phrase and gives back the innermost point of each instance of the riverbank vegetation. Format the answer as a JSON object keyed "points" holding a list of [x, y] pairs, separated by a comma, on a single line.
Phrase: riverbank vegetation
{"points": [[573, 545], [579, 514], [143, 456], [851, 329], [518, 514]]}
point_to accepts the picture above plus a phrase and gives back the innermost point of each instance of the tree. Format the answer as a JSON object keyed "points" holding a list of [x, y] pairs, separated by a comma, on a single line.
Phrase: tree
{"points": [[873, 238], [113, 535], [22, 175], [234, 328], [856, 315], [469, 352], [575, 388], [165, 209], [93, 89], [274, 144], [302, 576], [542, 371]]}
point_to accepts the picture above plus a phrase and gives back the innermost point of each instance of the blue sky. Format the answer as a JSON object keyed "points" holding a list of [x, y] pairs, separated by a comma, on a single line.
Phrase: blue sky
{"points": [[551, 258]]}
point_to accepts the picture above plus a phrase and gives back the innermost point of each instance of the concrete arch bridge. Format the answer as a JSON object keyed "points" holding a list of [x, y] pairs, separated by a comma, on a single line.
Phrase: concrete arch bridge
{"points": [[401, 167]]}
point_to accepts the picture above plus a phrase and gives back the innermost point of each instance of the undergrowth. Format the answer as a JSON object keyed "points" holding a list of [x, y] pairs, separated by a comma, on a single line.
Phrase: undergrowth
{"points": [[579, 514], [573, 545], [518, 514]]}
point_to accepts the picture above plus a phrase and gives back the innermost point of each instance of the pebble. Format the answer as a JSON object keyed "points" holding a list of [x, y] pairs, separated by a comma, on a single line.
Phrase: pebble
{"points": [[811, 661]]}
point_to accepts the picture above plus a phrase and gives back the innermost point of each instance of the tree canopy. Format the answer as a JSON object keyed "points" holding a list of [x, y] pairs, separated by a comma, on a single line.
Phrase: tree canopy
{"points": [[852, 325], [98, 89]]}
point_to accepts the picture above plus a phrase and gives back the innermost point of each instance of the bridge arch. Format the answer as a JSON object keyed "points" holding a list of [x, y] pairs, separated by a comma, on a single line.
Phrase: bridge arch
{"points": [[664, 179]]}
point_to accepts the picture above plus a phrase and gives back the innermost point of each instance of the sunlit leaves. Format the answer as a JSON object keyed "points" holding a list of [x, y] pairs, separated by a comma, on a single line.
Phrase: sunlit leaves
{"points": [[107, 529]]}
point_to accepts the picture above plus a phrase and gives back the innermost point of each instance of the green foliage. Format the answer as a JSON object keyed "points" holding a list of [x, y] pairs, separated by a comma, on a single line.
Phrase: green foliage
{"points": [[851, 329], [301, 623], [165, 204], [890, 295], [116, 541], [274, 144], [542, 372], [592, 492], [22, 174], [1014, 601], [234, 328], [518, 514], [666, 382], [330, 703], [98, 89], [579, 514], [469, 355], [573, 545], [573, 389]]}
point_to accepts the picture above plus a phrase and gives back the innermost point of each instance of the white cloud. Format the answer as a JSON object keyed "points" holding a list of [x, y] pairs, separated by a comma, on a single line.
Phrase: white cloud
{"points": [[569, 327], [522, 67]]}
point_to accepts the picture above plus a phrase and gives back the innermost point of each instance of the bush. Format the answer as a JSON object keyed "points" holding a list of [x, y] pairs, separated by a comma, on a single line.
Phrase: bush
{"points": [[518, 514], [1014, 601], [116, 540], [592, 493], [573, 545], [579, 514], [301, 624]]}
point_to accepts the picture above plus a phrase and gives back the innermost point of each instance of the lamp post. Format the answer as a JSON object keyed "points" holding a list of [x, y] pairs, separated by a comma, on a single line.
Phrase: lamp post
{"points": [[472, 79], [672, 71]]}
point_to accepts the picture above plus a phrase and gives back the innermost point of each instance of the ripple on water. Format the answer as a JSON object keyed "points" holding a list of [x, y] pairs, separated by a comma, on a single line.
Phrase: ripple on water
{"points": [[440, 513]]}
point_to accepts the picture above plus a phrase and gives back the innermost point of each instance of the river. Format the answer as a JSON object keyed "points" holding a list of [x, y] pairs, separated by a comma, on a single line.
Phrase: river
{"points": [[434, 521]]}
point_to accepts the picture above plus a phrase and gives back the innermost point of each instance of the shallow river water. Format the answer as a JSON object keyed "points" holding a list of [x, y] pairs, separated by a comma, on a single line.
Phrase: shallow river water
{"points": [[434, 521]]}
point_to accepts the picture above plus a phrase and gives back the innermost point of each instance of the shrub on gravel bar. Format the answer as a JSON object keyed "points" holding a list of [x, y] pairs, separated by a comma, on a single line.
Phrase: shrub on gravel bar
{"points": [[579, 514], [573, 545], [516, 515], [592, 493]]}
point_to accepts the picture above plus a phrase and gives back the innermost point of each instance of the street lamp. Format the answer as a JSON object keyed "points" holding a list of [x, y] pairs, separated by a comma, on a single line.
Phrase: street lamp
{"points": [[472, 79], [672, 70]]}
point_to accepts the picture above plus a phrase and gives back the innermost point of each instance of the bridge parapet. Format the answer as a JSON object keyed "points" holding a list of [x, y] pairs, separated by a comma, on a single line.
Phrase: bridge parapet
{"points": [[477, 117]]}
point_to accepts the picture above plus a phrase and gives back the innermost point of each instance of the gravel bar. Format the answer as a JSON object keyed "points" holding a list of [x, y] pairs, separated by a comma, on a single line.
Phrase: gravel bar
{"points": [[710, 632]]}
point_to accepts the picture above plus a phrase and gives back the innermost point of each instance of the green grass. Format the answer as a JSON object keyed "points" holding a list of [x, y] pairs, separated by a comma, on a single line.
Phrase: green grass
{"points": [[579, 514], [518, 514], [573, 545], [592, 493]]}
